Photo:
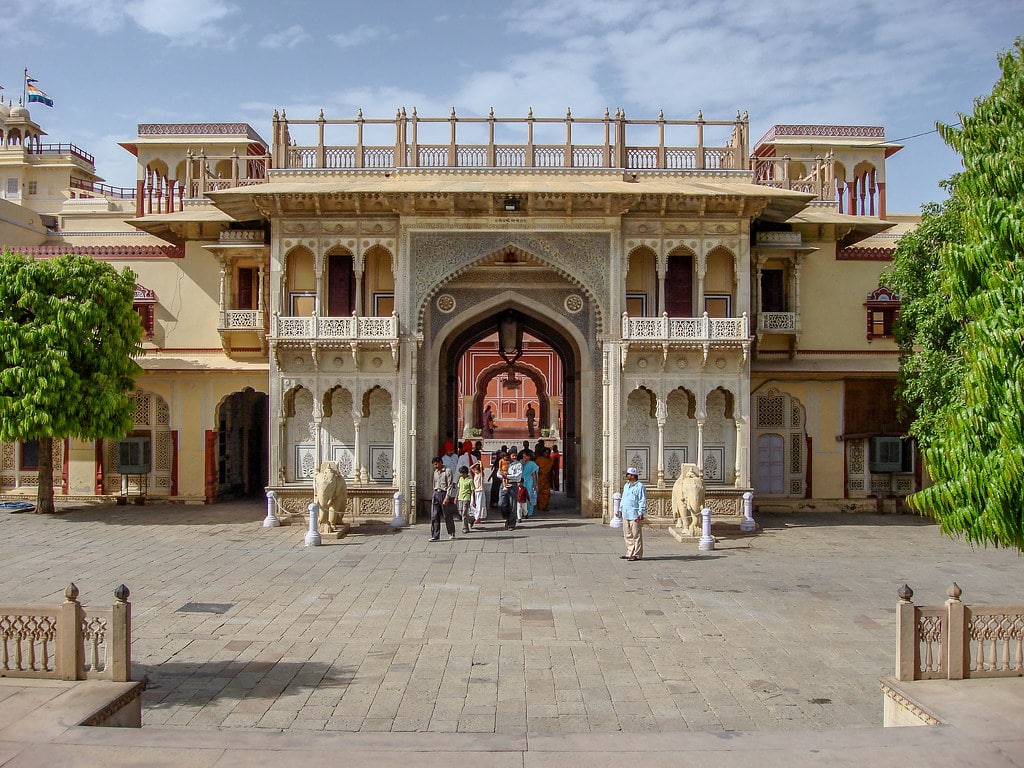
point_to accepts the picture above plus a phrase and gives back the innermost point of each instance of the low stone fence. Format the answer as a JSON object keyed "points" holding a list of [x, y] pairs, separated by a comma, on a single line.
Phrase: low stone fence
{"points": [[69, 641], [725, 502], [366, 502], [956, 641]]}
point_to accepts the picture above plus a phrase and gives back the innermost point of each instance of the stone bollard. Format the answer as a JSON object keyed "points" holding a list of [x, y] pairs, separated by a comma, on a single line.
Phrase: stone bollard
{"points": [[747, 524], [616, 521], [398, 521], [707, 541], [271, 520], [313, 534]]}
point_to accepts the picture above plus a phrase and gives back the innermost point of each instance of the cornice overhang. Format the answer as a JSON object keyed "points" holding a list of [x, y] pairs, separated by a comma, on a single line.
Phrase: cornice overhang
{"points": [[576, 192]]}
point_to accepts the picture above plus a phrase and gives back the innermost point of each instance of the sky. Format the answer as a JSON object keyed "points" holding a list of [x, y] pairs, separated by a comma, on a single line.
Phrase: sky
{"points": [[109, 65]]}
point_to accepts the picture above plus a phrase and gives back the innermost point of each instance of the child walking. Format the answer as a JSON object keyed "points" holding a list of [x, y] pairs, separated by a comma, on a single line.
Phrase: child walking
{"points": [[465, 496]]}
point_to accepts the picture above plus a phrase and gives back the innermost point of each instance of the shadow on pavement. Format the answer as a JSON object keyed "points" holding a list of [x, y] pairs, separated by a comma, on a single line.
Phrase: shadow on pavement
{"points": [[174, 684], [228, 513], [783, 520]]}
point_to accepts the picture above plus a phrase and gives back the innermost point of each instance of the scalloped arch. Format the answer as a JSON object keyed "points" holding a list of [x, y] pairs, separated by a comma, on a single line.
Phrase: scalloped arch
{"points": [[510, 247]]}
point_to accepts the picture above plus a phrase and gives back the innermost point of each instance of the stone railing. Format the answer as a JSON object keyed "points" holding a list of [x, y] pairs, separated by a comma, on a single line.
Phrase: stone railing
{"points": [[69, 641], [241, 320], [776, 322], [955, 641], [353, 328], [813, 175], [699, 329], [342, 143]]}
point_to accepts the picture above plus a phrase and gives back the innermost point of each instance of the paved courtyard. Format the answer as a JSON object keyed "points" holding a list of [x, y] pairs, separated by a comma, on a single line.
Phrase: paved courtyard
{"points": [[543, 629]]}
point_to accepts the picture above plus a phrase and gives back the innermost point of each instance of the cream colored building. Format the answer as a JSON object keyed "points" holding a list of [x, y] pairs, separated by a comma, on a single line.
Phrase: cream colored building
{"points": [[309, 298]]}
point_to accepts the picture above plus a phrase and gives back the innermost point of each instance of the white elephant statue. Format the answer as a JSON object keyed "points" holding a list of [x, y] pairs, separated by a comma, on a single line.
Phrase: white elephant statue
{"points": [[331, 494], [688, 499]]}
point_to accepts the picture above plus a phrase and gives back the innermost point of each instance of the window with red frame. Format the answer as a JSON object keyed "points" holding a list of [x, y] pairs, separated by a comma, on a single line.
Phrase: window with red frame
{"points": [[883, 310]]}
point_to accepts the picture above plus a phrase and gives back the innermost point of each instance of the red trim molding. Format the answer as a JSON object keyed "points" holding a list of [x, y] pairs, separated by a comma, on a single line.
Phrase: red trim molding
{"points": [[105, 251], [856, 253]]}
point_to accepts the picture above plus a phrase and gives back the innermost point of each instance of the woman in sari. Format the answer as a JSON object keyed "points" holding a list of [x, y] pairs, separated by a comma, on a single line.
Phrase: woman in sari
{"points": [[545, 464], [530, 470]]}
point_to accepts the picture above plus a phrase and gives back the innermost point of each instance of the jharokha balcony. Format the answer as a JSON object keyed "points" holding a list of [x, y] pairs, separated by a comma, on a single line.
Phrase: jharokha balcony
{"points": [[355, 333], [670, 333]]}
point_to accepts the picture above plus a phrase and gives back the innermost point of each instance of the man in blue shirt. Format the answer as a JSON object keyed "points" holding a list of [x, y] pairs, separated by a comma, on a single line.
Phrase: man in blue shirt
{"points": [[632, 508]]}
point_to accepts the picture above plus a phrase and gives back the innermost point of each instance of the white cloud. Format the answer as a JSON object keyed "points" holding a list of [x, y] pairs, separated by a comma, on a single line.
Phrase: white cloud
{"points": [[286, 38], [361, 35], [183, 22]]}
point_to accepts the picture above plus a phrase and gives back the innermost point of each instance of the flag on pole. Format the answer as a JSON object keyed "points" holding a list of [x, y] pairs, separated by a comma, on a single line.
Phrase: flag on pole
{"points": [[34, 93]]}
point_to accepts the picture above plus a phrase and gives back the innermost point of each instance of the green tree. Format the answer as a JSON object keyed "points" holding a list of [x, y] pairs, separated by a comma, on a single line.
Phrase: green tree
{"points": [[928, 333], [68, 338], [976, 456]]}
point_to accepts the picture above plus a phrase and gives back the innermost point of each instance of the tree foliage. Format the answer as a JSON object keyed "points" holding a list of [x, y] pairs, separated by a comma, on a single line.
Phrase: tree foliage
{"points": [[928, 333], [976, 455], [68, 338]]}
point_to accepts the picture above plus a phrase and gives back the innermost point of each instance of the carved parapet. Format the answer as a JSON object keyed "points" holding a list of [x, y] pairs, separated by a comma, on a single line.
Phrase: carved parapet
{"points": [[366, 502]]}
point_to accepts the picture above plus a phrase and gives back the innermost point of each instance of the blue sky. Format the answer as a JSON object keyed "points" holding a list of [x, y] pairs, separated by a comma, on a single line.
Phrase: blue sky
{"points": [[903, 64]]}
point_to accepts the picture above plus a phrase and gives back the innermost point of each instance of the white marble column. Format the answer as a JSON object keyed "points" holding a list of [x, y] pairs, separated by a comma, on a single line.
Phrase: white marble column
{"points": [[742, 454], [661, 411], [357, 446], [700, 445]]}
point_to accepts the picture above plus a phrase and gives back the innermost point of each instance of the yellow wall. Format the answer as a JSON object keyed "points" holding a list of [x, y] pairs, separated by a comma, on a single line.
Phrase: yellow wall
{"points": [[823, 408], [832, 296], [188, 297]]}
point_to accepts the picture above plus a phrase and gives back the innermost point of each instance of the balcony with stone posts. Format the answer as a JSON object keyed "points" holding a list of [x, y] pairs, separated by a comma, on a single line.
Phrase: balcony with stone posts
{"points": [[318, 333], [685, 333], [242, 319], [610, 150]]}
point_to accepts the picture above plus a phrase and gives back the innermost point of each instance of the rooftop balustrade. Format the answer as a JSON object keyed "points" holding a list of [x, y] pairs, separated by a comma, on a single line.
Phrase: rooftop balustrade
{"points": [[62, 149], [409, 151]]}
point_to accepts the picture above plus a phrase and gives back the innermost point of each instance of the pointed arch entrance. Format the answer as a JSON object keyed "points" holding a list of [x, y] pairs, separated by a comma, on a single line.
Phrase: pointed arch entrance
{"points": [[541, 386], [484, 323]]}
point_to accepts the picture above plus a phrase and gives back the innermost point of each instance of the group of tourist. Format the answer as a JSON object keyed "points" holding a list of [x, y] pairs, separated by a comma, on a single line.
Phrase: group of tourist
{"points": [[521, 484]]}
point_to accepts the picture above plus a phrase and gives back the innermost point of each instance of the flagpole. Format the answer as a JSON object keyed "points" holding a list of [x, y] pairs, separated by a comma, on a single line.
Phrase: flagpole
{"points": [[24, 88]]}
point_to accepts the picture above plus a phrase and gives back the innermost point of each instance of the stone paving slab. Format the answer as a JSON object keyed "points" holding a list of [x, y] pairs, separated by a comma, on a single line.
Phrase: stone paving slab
{"points": [[541, 630]]}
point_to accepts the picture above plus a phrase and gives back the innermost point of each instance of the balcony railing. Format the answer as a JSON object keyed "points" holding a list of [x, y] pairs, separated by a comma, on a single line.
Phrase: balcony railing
{"points": [[104, 190], [678, 329], [354, 328], [814, 175], [241, 320], [776, 322]]}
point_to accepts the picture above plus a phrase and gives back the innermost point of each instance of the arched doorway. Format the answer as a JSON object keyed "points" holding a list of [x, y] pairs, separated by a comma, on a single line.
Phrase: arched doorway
{"points": [[484, 324], [242, 463]]}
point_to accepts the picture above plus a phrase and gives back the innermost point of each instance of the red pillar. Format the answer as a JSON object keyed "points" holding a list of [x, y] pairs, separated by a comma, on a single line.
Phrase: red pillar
{"points": [[211, 465], [174, 462], [98, 488], [851, 199], [881, 199]]}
